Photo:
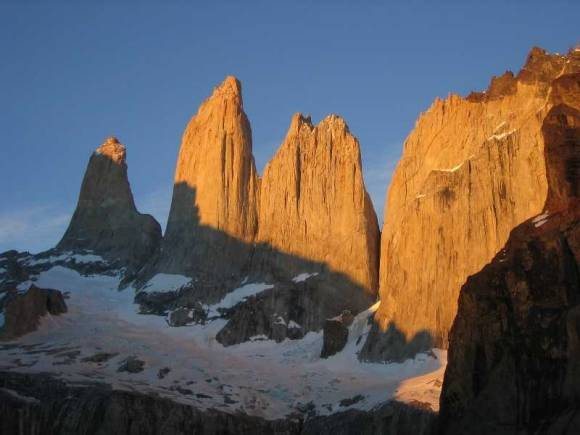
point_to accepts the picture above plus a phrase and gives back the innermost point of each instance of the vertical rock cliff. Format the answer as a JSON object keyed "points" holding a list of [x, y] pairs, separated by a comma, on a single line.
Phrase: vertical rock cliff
{"points": [[308, 219], [472, 169], [314, 206], [309, 212], [514, 355], [106, 220], [213, 219]]}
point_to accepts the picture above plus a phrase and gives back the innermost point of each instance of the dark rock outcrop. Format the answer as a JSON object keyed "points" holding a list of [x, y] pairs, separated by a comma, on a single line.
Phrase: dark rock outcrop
{"points": [[513, 360], [12, 271], [132, 365], [290, 310], [392, 345], [514, 355], [186, 315], [392, 418], [106, 221], [23, 311], [335, 334], [38, 404]]}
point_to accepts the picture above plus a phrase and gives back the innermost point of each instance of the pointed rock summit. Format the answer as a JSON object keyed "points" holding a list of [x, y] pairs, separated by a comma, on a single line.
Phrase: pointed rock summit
{"points": [[106, 220], [314, 206], [213, 217], [472, 169]]}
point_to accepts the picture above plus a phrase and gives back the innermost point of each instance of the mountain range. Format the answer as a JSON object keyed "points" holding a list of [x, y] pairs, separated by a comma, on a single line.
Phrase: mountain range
{"points": [[273, 303]]}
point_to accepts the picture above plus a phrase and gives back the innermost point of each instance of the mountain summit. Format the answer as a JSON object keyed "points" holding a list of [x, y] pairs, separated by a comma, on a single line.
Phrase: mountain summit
{"points": [[106, 220], [213, 209]]}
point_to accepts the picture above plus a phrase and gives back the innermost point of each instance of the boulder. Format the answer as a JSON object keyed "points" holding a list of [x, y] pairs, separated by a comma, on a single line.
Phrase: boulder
{"points": [[23, 311], [132, 365], [335, 334]]}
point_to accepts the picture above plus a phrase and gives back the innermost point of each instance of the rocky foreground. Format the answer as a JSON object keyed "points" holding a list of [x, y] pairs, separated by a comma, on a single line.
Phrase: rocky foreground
{"points": [[39, 404]]}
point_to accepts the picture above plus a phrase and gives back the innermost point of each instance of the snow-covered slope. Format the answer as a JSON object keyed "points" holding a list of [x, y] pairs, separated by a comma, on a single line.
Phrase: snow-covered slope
{"points": [[189, 366]]}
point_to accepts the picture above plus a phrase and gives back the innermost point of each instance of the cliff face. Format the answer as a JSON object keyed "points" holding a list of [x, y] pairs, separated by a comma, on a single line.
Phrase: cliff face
{"points": [[313, 203], [310, 212], [472, 169], [213, 213], [513, 362], [106, 220]]}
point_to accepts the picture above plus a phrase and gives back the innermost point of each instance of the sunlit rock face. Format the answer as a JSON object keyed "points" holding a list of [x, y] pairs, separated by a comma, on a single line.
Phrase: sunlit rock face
{"points": [[314, 206], [213, 219], [106, 220], [514, 355], [309, 216], [310, 212], [472, 169]]}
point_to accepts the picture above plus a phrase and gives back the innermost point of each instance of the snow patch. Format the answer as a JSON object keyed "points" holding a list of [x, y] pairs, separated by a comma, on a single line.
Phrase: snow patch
{"points": [[501, 136], [238, 295], [541, 219], [456, 167], [67, 256], [303, 277], [280, 321], [293, 325], [262, 377], [499, 127], [166, 282], [18, 396]]}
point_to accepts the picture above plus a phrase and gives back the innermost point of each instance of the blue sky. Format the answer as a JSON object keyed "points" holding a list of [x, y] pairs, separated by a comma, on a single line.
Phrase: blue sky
{"points": [[73, 73]]}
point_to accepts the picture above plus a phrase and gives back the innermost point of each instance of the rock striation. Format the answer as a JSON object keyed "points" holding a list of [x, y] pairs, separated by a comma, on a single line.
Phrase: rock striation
{"points": [[22, 312], [513, 361], [213, 218], [313, 203], [472, 169], [106, 220]]}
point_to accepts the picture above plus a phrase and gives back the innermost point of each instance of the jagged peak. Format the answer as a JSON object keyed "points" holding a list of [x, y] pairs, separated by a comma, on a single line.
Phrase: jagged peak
{"points": [[540, 66], [227, 92], [329, 122], [112, 148], [334, 121], [231, 87], [298, 120]]}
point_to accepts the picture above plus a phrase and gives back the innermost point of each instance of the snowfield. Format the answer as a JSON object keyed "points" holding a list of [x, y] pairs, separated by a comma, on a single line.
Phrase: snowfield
{"points": [[102, 328]]}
